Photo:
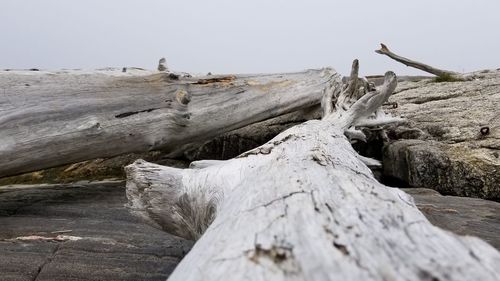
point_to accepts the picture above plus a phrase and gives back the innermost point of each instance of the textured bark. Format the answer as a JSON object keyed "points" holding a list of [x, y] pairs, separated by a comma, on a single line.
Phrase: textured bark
{"points": [[50, 119], [304, 206]]}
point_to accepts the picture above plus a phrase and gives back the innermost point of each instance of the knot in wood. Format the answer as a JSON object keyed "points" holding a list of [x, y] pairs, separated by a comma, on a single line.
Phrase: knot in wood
{"points": [[183, 97], [277, 254], [485, 130]]}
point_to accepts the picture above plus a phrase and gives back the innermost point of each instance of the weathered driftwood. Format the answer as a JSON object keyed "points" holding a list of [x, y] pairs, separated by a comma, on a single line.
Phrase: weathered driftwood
{"points": [[49, 119], [304, 206], [444, 74]]}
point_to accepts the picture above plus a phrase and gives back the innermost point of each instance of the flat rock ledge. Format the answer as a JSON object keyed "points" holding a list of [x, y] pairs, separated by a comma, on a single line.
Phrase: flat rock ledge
{"points": [[461, 215], [82, 232]]}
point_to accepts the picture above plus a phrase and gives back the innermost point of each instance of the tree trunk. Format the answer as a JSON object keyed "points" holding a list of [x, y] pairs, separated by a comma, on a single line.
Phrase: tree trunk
{"points": [[304, 206], [49, 119]]}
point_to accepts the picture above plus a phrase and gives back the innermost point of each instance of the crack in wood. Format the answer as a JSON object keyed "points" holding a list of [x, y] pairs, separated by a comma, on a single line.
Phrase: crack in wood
{"points": [[225, 79], [341, 248], [127, 114], [279, 199]]}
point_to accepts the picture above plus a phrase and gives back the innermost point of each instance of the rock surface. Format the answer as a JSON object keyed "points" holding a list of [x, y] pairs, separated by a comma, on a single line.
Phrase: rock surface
{"points": [[83, 232], [41, 226], [462, 215], [452, 141], [94, 170], [80, 232]]}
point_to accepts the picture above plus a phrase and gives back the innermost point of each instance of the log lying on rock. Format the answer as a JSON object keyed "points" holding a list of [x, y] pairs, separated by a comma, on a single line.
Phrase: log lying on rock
{"points": [[442, 74], [49, 119], [304, 206]]}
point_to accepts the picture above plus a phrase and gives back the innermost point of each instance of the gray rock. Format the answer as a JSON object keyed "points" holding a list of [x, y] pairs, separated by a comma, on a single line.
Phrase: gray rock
{"points": [[445, 168], [442, 147], [464, 216], [117, 246], [112, 245]]}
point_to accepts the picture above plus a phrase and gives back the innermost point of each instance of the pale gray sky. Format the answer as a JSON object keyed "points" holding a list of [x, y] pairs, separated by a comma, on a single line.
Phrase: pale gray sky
{"points": [[224, 36]]}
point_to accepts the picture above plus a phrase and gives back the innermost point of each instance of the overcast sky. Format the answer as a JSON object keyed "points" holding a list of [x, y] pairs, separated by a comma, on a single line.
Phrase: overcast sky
{"points": [[234, 36]]}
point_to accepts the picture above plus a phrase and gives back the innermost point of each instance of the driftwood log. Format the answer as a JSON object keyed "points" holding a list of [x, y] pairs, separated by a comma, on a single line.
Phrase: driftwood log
{"points": [[443, 74], [49, 119], [304, 206]]}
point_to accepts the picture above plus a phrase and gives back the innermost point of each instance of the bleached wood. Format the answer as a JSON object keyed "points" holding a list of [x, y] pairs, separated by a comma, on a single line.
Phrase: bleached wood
{"points": [[384, 50], [303, 206], [53, 118], [204, 163], [329, 94], [162, 65]]}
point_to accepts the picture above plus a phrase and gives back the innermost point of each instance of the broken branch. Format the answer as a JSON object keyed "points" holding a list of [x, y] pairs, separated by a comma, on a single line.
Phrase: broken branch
{"points": [[384, 50]]}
